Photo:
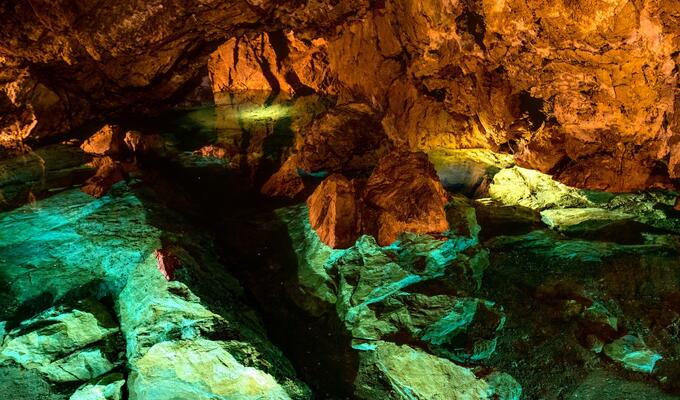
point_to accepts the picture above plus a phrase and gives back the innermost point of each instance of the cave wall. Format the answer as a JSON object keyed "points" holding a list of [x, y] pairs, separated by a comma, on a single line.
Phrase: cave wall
{"points": [[583, 89]]}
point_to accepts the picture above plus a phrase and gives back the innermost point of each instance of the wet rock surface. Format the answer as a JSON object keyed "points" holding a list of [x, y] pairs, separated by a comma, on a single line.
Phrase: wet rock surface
{"points": [[532, 290]]}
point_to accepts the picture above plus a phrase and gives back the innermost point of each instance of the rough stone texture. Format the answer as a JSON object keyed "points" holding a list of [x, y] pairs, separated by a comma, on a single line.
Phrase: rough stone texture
{"points": [[404, 194], [346, 138], [567, 86], [65, 344], [108, 141], [334, 211]]}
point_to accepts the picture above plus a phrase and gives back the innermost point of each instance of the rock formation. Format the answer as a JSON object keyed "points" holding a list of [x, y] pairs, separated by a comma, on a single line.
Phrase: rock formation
{"points": [[403, 194]]}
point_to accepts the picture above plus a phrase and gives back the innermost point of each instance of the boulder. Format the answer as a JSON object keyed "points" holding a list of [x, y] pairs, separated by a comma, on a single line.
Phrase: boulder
{"points": [[66, 344], [517, 186], [391, 371], [346, 139], [334, 211], [108, 141], [404, 194]]}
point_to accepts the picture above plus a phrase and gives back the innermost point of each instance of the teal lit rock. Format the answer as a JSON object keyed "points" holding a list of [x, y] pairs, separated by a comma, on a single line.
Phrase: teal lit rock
{"points": [[378, 289], [65, 344], [72, 242], [550, 245], [70, 246], [170, 353], [632, 353], [503, 386], [403, 373], [108, 387], [390, 371]]}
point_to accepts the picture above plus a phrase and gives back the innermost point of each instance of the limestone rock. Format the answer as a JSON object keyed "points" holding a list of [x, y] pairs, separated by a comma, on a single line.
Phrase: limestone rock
{"points": [[199, 369], [390, 371], [404, 194], [169, 347], [108, 141], [334, 211]]}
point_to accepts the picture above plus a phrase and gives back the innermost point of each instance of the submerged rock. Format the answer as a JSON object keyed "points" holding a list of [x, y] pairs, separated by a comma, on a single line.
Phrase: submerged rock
{"points": [[632, 353], [33, 175], [573, 220], [109, 172]]}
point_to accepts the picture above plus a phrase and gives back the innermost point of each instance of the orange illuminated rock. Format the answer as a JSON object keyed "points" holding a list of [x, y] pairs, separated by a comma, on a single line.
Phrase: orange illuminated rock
{"points": [[109, 140], [344, 139], [404, 194], [334, 211], [286, 182]]}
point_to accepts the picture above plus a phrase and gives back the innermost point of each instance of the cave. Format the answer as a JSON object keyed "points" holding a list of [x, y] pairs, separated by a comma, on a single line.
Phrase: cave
{"points": [[339, 200]]}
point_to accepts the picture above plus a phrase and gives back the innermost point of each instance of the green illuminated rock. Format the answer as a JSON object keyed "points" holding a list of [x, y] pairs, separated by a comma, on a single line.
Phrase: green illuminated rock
{"points": [[108, 387], [65, 344], [389, 371], [632, 353], [71, 246], [581, 219], [532, 189], [171, 354], [199, 369]]}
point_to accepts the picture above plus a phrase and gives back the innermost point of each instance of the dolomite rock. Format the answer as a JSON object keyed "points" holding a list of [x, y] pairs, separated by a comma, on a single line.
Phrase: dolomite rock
{"points": [[404, 194]]}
